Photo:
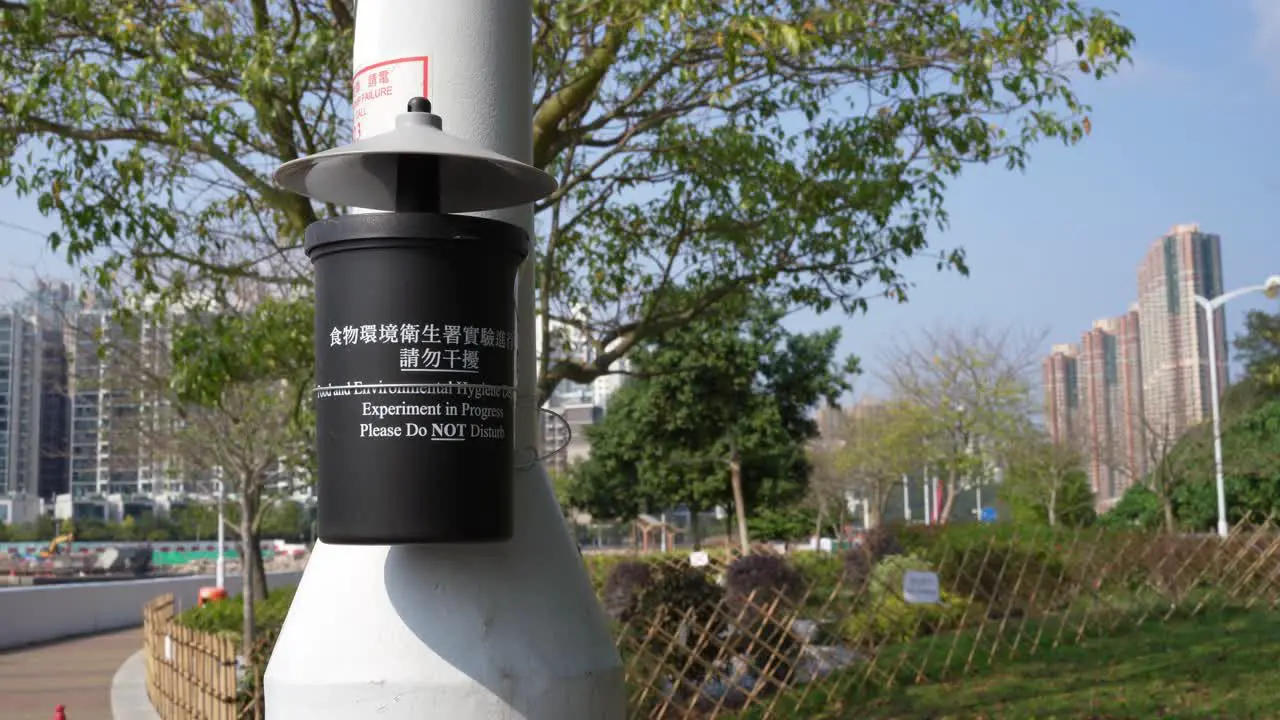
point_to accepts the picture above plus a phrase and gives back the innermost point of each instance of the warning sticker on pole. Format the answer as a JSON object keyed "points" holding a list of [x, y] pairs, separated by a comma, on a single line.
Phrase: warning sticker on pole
{"points": [[383, 90]]}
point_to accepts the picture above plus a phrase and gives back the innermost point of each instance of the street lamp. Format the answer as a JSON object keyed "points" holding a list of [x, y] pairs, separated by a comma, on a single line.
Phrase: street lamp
{"points": [[220, 565], [1271, 288]]}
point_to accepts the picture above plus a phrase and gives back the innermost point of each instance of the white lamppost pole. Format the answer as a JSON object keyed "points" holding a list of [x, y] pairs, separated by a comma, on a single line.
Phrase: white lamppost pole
{"points": [[220, 565], [460, 630], [906, 498], [1271, 288]]}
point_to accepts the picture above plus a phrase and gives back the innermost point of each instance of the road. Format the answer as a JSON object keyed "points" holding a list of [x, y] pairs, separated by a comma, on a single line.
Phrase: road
{"points": [[76, 673]]}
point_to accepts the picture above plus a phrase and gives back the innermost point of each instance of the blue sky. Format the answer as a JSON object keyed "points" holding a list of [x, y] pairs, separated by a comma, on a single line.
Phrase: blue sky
{"points": [[1186, 135]]}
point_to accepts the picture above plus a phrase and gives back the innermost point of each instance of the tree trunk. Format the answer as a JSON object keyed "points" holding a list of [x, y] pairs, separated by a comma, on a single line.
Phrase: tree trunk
{"points": [[949, 495], [1170, 521], [250, 553], [695, 529], [260, 588], [1051, 507], [739, 503]]}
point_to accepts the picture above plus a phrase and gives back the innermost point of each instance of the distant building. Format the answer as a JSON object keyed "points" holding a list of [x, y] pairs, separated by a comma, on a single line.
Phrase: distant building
{"points": [[576, 406], [830, 420], [1175, 352], [120, 419], [834, 420], [1061, 381], [1110, 368], [34, 405], [1141, 377]]}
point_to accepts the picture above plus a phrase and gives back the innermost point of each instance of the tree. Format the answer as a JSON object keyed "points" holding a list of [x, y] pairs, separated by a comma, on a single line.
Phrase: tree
{"points": [[881, 445], [787, 523], [972, 387], [1258, 349], [1169, 454], [245, 414], [705, 150], [828, 485], [1251, 471], [736, 388], [1046, 479], [1138, 507]]}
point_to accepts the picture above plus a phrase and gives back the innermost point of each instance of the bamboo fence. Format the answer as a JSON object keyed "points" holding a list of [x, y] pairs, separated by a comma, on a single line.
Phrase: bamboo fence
{"points": [[695, 645]]}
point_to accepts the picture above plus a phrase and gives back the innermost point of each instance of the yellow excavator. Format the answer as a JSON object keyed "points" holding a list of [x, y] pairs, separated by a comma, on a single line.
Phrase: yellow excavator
{"points": [[56, 544]]}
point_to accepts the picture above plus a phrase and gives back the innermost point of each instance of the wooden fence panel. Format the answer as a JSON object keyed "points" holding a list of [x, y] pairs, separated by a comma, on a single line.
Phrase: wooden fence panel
{"points": [[191, 675]]}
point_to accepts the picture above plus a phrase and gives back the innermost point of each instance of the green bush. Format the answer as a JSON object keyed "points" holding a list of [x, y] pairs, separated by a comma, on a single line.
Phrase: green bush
{"points": [[888, 618], [679, 587], [600, 565], [881, 543], [1170, 565], [767, 576], [621, 593], [227, 616], [1005, 568], [682, 601], [822, 573]]}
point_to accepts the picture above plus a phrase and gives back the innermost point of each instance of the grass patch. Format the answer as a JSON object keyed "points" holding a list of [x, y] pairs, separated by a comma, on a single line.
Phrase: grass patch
{"points": [[1213, 666]]}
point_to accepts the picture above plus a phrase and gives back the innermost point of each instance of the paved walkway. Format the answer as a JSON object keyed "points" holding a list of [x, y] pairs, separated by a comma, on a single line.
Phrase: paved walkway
{"points": [[76, 673]]}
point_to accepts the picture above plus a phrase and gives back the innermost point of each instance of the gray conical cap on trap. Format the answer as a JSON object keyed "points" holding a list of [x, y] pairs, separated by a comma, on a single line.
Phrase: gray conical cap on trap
{"points": [[366, 173]]}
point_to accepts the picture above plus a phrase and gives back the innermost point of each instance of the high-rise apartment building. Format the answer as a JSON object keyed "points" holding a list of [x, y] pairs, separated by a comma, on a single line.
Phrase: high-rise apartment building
{"points": [[1143, 377], [573, 407], [120, 420], [1111, 430], [1175, 354], [34, 405], [1060, 378], [834, 421], [10, 369]]}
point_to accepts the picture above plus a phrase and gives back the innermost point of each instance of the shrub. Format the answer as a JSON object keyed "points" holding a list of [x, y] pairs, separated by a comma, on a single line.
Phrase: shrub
{"points": [[600, 566], [683, 602], [882, 542], [889, 618], [622, 589], [227, 616], [678, 588], [1009, 570], [1168, 564], [858, 564], [859, 560], [1006, 577], [768, 576], [822, 573]]}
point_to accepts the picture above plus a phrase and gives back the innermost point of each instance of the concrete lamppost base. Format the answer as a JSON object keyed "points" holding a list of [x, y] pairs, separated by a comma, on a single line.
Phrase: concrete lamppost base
{"points": [[507, 631]]}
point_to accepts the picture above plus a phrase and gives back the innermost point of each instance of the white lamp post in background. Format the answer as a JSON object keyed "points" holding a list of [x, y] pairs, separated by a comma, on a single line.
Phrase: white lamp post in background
{"points": [[1271, 288], [220, 565]]}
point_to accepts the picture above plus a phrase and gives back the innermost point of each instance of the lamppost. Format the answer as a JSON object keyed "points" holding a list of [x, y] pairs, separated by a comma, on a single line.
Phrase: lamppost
{"points": [[1271, 288], [220, 565], [444, 582]]}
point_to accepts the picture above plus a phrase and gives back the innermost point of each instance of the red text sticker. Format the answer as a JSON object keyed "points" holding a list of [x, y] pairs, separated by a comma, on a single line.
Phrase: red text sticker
{"points": [[383, 90]]}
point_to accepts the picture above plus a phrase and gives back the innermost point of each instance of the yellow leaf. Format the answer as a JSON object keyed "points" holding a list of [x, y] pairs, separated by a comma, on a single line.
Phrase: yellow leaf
{"points": [[1088, 126]]}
